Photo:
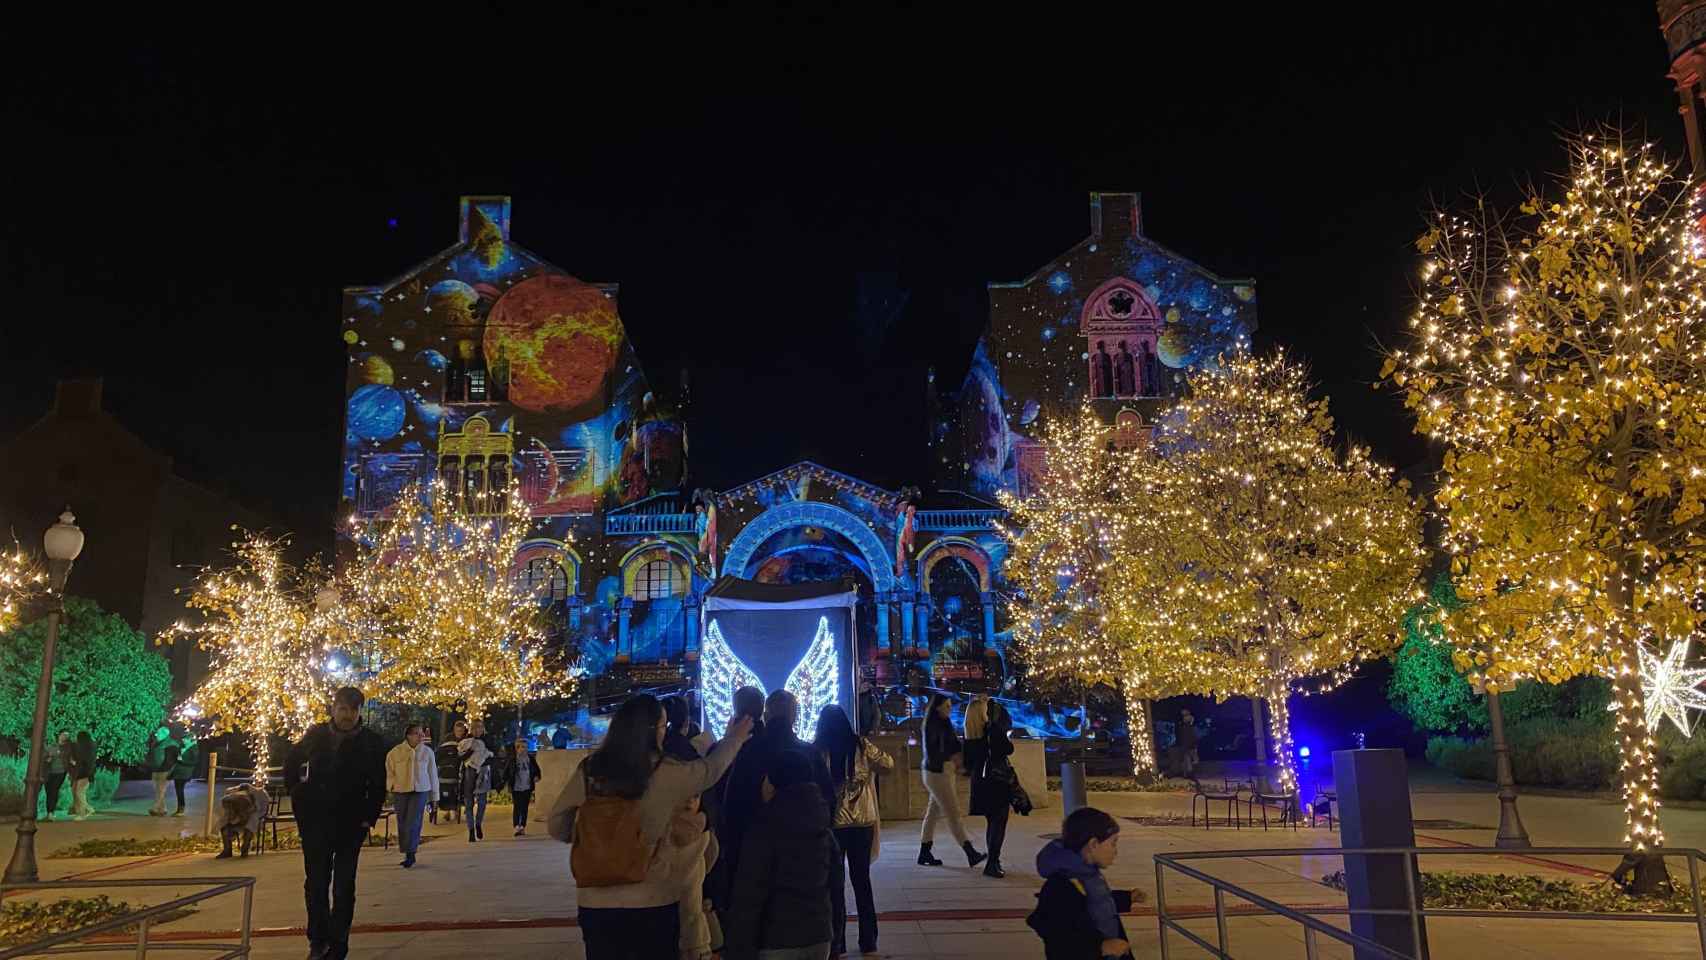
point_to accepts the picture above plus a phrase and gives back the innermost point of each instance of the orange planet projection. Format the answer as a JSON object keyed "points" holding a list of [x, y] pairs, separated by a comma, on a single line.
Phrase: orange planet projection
{"points": [[560, 337]]}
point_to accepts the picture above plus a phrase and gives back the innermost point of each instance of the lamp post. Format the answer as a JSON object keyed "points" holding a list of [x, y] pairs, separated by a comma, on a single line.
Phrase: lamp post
{"points": [[1512, 835], [63, 542]]}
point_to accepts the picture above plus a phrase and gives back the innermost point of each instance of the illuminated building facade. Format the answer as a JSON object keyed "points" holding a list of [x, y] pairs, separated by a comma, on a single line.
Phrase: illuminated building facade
{"points": [[486, 363]]}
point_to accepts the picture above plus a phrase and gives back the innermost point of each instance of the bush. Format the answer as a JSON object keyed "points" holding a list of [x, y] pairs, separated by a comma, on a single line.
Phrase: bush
{"points": [[1469, 759], [13, 767], [1452, 890]]}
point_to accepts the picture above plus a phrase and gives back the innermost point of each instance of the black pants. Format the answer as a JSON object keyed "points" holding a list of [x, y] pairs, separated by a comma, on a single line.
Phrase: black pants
{"points": [[178, 785], [522, 799], [54, 782], [855, 843], [643, 933], [996, 833], [329, 854]]}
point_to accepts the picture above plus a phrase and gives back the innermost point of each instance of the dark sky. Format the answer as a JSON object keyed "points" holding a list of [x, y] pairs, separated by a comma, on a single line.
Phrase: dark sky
{"points": [[182, 223]]}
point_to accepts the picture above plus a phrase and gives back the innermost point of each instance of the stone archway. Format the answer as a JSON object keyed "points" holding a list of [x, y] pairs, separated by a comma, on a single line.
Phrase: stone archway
{"points": [[809, 513]]}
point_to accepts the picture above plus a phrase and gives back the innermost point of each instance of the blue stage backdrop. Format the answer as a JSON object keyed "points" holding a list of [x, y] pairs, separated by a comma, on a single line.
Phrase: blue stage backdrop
{"points": [[797, 637]]}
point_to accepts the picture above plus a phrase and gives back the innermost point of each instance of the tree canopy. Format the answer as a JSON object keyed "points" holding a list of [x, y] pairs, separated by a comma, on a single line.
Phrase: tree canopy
{"points": [[106, 680], [1559, 355]]}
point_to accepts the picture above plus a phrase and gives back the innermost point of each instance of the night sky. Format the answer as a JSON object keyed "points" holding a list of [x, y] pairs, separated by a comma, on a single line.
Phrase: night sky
{"points": [[182, 223]]}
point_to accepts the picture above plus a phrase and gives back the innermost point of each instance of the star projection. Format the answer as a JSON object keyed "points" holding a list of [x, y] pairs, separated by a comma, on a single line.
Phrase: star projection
{"points": [[814, 681], [1671, 688]]}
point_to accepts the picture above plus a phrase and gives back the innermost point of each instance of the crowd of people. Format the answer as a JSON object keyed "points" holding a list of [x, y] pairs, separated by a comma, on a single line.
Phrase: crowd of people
{"points": [[686, 846]]}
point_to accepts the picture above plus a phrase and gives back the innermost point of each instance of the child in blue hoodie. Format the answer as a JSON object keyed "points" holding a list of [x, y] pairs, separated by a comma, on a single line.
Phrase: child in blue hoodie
{"points": [[1077, 915]]}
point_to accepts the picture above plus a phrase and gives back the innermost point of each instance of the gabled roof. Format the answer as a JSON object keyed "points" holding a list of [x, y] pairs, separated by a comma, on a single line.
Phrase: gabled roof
{"points": [[818, 473]]}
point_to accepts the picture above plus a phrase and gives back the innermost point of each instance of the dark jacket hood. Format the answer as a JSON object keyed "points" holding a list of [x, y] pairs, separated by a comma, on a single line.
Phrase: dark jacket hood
{"points": [[1057, 860], [798, 808]]}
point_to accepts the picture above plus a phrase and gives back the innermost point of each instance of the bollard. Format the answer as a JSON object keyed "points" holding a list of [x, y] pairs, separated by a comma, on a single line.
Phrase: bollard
{"points": [[212, 790], [1374, 811], [1072, 787]]}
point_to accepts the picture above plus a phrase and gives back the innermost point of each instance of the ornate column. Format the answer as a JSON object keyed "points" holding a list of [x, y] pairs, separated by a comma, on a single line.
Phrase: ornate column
{"points": [[922, 610], [577, 606], [906, 644], [690, 626], [883, 614], [988, 598], [624, 611]]}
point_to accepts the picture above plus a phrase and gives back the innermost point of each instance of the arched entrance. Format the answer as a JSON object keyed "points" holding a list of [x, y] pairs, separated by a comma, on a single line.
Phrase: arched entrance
{"points": [[807, 541], [823, 516]]}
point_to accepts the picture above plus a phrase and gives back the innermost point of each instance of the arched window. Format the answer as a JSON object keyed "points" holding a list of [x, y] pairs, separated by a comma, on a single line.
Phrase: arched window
{"points": [[450, 473], [658, 579], [546, 579], [474, 482]]}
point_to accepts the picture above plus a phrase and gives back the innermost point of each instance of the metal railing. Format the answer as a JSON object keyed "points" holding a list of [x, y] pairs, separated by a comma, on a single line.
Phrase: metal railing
{"points": [[958, 519], [142, 918], [1314, 929], [650, 523]]}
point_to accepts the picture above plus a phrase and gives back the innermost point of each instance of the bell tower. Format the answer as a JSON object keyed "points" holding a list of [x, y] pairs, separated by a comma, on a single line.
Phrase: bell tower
{"points": [[1683, 23]]}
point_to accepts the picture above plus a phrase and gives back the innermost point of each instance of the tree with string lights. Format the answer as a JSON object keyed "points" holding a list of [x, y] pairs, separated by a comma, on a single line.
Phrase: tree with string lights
{"points": [[1265, 553], [1063, 546], [432, 589], [258, 623], [20, 578], [1559, 356]]}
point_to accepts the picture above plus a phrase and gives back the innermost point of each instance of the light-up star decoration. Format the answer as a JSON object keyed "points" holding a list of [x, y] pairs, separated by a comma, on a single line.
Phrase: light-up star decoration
{"points": [[814, 681], [1670, 688]]}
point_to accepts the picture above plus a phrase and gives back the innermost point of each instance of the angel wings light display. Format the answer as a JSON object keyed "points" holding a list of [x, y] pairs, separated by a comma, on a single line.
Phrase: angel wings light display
{"points": [[813, 681]]}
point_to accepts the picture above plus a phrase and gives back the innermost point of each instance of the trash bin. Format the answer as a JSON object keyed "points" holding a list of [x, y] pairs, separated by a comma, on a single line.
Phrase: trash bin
{"points": [[1072, 787]]}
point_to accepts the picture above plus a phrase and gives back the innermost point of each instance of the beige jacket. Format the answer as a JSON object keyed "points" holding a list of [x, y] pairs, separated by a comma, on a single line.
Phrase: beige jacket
{"points": [[672, 783], [856, 801], [402, 766]]}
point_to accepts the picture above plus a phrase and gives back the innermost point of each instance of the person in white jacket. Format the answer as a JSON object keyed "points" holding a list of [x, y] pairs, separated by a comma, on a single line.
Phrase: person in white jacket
{"points": [[476, 773], [411, 775]]}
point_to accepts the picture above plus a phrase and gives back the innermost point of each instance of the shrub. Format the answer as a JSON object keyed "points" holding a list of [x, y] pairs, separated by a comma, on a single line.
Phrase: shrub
{"points": [[1469, 759], [12, 770]]}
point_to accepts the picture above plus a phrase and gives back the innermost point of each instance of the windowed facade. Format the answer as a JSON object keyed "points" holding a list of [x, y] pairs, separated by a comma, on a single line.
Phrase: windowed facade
{"points": [[659, 580], [546, 579], [1122, 326]]}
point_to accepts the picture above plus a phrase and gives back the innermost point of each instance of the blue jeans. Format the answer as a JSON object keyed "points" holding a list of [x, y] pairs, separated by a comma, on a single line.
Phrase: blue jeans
{"points": [[474, 810], [411, 811]]}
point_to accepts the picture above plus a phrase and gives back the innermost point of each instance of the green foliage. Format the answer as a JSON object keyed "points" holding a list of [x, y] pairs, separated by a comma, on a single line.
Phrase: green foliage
{"points": [[1425, 685], [105, 680], [1450, 889], [1573, 753], [1427, 688], [13, 769]]}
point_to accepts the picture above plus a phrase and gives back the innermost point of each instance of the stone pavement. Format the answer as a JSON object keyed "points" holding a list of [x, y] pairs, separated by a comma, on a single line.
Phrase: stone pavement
{"points": [[513, 897]]}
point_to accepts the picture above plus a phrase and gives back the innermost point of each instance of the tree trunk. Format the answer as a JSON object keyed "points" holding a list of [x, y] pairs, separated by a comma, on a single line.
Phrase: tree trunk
{"points": [[1642, 870], [1142, 740], [1260, 728], [1279, 716]]}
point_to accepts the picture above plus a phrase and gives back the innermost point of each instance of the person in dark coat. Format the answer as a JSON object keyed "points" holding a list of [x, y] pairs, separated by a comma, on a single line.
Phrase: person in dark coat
{"points": [[521, 777], [742, 800], [336, 778], [184, 768], [986, 752], [1188, 740], [1078, 914], [748, 702], [676, 741], [781, 886]]}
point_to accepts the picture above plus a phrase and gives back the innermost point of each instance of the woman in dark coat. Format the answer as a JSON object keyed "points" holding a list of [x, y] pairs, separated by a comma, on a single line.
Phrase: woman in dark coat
{"points": [[987, 749]]}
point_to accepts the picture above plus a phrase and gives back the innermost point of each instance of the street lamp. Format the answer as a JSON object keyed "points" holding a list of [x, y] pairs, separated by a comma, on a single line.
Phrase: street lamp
{"points": [[63, 542], [1511, 834]]}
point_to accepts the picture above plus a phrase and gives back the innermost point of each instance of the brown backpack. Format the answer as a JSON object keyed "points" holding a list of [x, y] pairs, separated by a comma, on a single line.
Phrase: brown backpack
{"points": [[608, 847]]}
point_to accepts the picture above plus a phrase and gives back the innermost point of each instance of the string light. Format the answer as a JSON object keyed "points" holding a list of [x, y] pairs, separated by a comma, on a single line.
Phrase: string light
{"points": [[20, 578], [1559, 357], [437, 612], [262, 633], [815, 681]]}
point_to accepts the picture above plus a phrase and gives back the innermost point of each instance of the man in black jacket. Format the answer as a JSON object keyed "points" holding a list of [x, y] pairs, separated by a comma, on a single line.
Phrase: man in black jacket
{"points": [[336, 778], [781, 887]]}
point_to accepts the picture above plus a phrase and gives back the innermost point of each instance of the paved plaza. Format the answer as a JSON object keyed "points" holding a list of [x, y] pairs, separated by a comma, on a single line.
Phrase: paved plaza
{"points": [[513, 897]]}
